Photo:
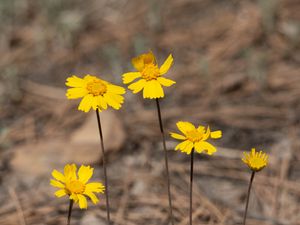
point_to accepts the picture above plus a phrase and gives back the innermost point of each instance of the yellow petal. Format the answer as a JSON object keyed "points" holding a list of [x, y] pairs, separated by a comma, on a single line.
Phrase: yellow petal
{"points": [[73, 93], [216, 134], [95, 187], [86, 103], [137, 86], [207, 134], [70, 172], [92, 196], [74, 197], [188, 148], [165, 82], [204, 146], [184, 127], [115, 89], [82, 201], [85, 173], [138, 63], [113, 100], [166, 65], [95, 102], [101, 102], [75, 81], [60, 193], [177, 136], [58, 176], [57, 184], [181, 146], [153, 89], [131, 76]]}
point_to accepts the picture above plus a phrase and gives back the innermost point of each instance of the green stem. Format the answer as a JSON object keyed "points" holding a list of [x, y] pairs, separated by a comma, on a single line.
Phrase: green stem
{"points": [[248, 197], [104, 167], [191, 186], [166, 160], [70, 211]]}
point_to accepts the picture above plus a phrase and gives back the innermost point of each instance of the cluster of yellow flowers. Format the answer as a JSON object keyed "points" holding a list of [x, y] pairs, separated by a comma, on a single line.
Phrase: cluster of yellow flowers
{"points": [[99, 94]]}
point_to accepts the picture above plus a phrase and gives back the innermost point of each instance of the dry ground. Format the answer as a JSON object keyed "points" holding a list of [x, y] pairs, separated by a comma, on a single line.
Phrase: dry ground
{"points": [[236, 67]]}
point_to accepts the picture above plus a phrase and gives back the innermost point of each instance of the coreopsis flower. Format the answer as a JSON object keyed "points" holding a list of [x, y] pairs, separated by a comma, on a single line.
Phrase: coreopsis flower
{"points": [[151, 75], [256, 161], [95, 93], [196, 138], [76, 187]]}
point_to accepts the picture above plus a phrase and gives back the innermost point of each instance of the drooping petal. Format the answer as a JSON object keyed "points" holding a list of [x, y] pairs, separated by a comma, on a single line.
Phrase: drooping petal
{"points": [[92, 196], [74, 197], [60, 193], [112, 100], [74, 93], [203, 146], [138, 63], [57, 184], [58, 176], [131, 76], [95, 102], [85, 173], [165, 82], [206, 134], [188, 148], [184, 127], [137, 86], [181, 146], [82, 201], [101, 102], [216, 134], [153, 89], [166, 65], [177, 136], [115, 89], [86, 103], [75, 81], [95, 187]]}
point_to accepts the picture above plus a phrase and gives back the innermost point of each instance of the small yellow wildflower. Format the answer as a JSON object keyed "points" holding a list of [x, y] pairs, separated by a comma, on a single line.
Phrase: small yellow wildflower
{"points": [[76, 187], [195, 138], [151, 81], [96, 93], [256, 161]]}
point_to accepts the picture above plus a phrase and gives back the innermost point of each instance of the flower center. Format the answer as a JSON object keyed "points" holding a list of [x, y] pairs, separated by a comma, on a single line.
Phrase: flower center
{"points": [[96, 87], [194, 135], [76, 187], [150, 72], [257, 162]]}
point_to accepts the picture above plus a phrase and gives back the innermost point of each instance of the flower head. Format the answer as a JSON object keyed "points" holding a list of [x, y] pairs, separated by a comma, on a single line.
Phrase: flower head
{"points": [[76, 186], [196, 138], [151, 81], [95, 93], [256, 161]]}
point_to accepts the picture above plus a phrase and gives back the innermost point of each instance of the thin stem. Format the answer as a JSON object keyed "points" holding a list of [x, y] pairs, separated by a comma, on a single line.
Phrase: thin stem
{"points": [[104, 167], [166, 160], [191, 186], [70, 211], [248, 197]]}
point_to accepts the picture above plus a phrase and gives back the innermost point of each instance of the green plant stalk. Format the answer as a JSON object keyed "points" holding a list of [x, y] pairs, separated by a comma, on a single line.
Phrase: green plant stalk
{"points": [[104, 167], [248, 197], [166, 161]]}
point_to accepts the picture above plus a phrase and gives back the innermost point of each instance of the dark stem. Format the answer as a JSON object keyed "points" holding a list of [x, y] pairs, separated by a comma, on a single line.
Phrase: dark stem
{"points": [[166, 161], [191, 186], [248, 197], [104, 167], [70, 211]]}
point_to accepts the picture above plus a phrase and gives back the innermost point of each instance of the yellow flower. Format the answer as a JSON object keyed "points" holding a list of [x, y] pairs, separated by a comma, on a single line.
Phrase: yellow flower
{"points": [[256, 161], [76, 187], [195, 138], [151, 81], [95, 93]]}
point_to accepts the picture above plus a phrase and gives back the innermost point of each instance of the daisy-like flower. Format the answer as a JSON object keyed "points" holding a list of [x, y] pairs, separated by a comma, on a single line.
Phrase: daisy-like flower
{"points": [[76, 187], [256, 161], [196, 138], [95, 93], [151, 81]]}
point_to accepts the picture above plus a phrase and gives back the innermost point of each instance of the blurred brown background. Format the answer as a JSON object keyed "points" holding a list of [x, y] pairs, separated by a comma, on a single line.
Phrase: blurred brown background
{"points": [[236, 64]]}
